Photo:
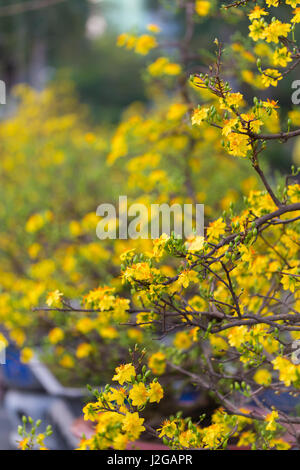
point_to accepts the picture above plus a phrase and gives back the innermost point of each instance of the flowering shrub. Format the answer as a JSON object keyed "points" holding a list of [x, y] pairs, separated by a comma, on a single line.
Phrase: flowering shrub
{"points": [[31, 439], [49, 243], [116, 413], [229, 301]]}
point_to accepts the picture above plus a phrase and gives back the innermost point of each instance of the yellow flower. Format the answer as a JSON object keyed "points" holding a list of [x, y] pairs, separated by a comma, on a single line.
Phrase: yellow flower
{"points": [[213, 435], [128, 254], [157, 363], [153, 28], [108, 332], [139, 272], [280, 444], [271, 77], [187, 276], [229, 125], [254, 123], [85, 325], [135, 335], [3, 342], [172, 69], [257, 12], [238, 335], [202, 7], [158, 67], [54, 298], [231, 99], [188, 439], [144, 44], [124, 373], [26, 355], [293, 192], [216, 229], [133, 425], [270, 419], [84, 350], [296, 18], [287, 370], [262, 377], [289, 281], [246, 438], [34, 250], [23, 445], [40, 441], [35, 223], [194, 243], [176, 111], [219, 344], [67, 361], [120, 442], [156, 392], [275, 30], [281, 57], [199, 115], [90, 411], [17, 335], [182, 340], [56, 335], [138, 394], [117, 395], [257, 29], [238, 144], [127, 40], [168, 429], [159, 245], [293, 3]]}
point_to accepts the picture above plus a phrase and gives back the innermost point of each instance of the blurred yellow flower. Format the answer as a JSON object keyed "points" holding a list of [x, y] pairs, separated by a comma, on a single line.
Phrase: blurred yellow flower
{"points": [[26, 355], [56, 335]]}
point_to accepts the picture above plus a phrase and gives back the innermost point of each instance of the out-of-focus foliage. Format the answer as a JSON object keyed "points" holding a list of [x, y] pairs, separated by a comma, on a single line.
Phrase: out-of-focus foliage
{"points": [[53, 175], [56, 169], [35, 35], [107, 79]]}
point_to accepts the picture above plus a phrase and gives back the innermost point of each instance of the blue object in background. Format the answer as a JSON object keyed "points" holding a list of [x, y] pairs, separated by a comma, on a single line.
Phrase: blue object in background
{"points": [[18, 375], [188, 397], [283, 402]]}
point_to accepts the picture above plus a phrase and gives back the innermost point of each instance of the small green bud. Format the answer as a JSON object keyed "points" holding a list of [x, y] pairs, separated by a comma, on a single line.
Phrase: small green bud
{"points": [[258, 63]]}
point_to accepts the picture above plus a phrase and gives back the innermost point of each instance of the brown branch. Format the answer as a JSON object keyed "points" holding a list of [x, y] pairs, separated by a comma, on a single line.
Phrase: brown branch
{"points": [[279, 135], [262, 176]]}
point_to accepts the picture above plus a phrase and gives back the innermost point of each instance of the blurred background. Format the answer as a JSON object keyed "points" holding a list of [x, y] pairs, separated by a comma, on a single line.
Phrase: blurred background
{"points": [[42, 40], [70, 47]]}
